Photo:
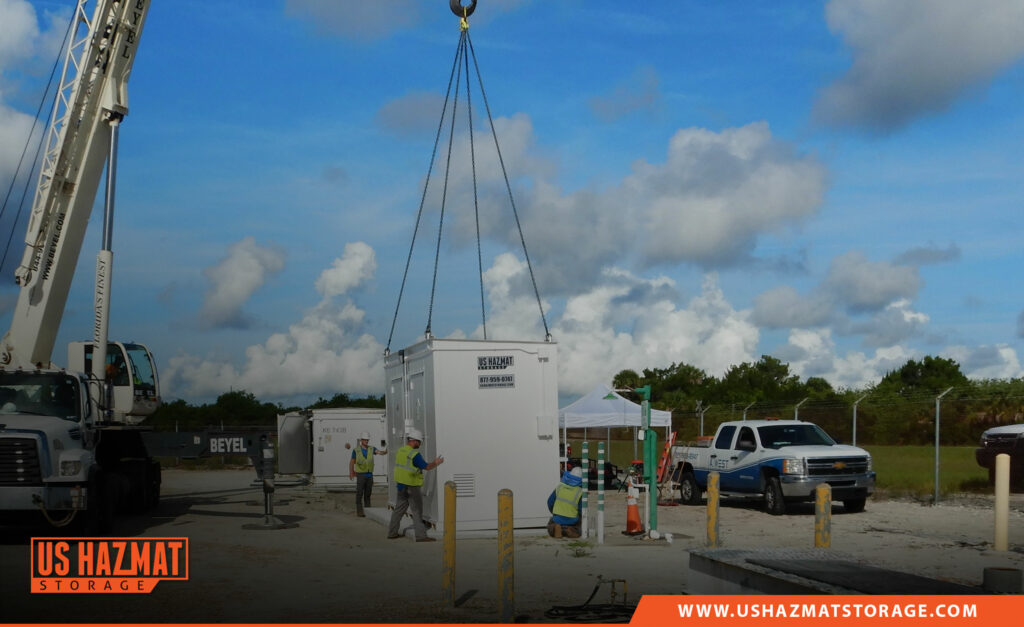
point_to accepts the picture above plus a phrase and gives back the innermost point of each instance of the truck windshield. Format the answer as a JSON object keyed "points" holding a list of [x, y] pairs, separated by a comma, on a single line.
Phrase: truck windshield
{"points": [[777, 436], [41, 393]]}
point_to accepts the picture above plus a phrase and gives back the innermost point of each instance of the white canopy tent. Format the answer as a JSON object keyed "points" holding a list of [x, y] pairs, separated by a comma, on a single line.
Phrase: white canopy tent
{"points": [[603, 407]]}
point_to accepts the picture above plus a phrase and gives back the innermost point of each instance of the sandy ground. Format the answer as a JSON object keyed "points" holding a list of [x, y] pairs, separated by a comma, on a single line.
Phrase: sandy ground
{"points": [[335, 567]]}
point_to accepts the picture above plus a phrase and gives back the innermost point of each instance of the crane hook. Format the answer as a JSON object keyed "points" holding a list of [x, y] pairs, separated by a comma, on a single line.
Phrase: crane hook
{"points": [[462, 11]]}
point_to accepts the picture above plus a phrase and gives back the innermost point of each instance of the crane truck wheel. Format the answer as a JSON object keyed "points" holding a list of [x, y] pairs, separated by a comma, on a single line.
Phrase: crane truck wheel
{"points": [[99, 512], [153, 486]]}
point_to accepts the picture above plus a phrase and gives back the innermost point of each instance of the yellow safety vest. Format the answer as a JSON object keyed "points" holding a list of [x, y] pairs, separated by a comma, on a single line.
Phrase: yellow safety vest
{"points": [[364, 461], [566, 497], [405, 471]]}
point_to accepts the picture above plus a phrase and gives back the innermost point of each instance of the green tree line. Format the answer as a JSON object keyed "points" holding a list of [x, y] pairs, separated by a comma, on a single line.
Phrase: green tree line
{"points": [[240, 408], [899, 409]]}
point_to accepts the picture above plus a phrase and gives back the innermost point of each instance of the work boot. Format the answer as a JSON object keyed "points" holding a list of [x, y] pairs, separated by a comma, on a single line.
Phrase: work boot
{"points": [[558, 531]]}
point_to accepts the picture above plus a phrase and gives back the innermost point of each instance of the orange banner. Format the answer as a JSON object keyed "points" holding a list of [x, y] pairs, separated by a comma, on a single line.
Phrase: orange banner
{"points": [[106, 565], [836, 611]]}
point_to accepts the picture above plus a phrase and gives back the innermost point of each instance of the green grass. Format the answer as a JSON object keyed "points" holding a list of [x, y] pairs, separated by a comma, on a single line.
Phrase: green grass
{"points": [[910, 470]]}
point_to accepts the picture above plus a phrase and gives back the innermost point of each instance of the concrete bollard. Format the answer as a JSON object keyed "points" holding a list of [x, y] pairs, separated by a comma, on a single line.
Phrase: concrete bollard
{"points": [[506, 558], [823, 516], [448, 561], [1002, 506], [713, 540]]}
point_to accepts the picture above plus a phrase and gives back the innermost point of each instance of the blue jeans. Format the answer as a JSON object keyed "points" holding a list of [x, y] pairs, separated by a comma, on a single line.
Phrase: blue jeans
{"points": [[364, 488]]}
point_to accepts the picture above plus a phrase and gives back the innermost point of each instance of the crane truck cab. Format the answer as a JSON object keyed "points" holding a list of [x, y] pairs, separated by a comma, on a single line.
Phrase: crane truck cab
{"points": [[131, 373], [59, 459]]}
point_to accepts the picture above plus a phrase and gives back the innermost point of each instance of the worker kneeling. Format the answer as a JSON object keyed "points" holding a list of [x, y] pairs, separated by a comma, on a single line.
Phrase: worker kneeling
{"points": [[564, 504]]}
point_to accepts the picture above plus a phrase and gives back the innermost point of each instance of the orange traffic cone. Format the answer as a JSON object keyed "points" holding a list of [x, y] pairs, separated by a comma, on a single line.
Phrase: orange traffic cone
{"points": [[633, 525]]}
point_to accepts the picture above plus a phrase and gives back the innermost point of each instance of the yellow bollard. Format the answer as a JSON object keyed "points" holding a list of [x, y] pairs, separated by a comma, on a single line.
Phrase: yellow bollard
{"points": [[713, 540], [1002, 505], [448, 561], [823, 516], [506, 559]]}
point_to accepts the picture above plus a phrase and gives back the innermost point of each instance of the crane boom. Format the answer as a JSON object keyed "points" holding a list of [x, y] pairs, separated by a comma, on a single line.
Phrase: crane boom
{"points": [[92, 97]]}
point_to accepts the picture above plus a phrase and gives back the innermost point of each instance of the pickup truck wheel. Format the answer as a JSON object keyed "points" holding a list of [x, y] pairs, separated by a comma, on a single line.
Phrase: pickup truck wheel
{"points": [[854, 506], [774, 503], [689, 491]]}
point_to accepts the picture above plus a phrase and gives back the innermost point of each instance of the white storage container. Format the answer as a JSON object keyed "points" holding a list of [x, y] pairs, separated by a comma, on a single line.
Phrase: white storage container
{"points": [[491, 409], [332, 436]]}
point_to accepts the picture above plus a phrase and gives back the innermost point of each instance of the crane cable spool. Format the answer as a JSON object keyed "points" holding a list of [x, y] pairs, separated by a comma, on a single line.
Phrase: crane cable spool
{"points": [[460, 66]]}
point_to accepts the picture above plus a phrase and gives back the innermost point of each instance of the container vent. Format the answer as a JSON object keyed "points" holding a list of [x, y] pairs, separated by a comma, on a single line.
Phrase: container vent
{"points": [[465, 485]]}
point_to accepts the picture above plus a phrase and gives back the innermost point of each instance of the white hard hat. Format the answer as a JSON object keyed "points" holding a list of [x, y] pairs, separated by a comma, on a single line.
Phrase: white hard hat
{"points": [[414, 434], [577, 472], [365, 435]]}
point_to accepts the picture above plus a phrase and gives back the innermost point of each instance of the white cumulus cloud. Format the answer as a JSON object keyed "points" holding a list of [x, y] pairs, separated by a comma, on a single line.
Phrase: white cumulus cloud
{"points": [[234, 280], [327, 351], [913, 58], [624, 322], [357, 264]]}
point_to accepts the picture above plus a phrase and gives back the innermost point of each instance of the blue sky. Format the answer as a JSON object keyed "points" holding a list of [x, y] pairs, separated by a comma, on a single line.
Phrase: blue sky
{"points": [[837, 184]]}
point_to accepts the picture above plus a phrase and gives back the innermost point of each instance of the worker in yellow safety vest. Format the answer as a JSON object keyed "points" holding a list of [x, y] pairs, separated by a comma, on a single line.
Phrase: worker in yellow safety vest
{"points": [[360, 468], [409, 468], [564, 505]]}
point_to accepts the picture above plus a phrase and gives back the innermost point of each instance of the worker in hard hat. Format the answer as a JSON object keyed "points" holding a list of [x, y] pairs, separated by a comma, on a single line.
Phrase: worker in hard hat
{"points": [[564, 505], [409, 468], [360, 468]]}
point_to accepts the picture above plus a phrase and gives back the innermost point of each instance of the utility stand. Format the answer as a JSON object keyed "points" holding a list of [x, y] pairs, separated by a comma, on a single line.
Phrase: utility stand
{"points": [[269, 520]]}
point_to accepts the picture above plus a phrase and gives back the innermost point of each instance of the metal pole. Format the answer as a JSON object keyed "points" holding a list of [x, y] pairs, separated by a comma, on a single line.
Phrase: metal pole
{"points": [[600, 492], [506, 558], [448, 561], [938, 403], [855, 418], [796, 410], [746, 408], [585, 499]]}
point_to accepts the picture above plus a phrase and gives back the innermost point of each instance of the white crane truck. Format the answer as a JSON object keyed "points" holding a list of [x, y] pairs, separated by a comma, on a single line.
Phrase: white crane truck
{"points": [[775, 460], [70, 440]]}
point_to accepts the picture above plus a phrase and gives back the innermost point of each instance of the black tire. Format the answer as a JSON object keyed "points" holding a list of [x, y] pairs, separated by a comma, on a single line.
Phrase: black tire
{"points": [[854, 506], [689, 491], [155, 479], [774, 502], [99, 513]]}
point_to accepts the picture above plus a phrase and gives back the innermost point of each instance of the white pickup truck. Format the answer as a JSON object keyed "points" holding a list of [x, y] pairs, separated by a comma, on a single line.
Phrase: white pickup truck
{"points": [[777, 460], [1007, 439]]}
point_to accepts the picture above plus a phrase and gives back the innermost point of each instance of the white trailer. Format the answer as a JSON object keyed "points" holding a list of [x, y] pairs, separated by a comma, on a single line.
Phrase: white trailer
{"points": [[491, 409], [320, 442], [335, 435]]}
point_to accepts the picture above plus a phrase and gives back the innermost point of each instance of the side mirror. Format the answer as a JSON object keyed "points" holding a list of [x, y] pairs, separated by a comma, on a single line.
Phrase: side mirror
{"points": [[747, 445]]}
